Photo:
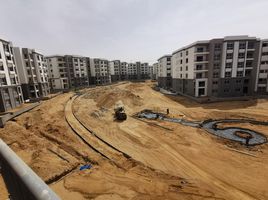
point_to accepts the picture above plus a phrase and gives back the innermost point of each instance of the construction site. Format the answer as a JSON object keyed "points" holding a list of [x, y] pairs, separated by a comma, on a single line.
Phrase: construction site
{"points": [[130, 141]]}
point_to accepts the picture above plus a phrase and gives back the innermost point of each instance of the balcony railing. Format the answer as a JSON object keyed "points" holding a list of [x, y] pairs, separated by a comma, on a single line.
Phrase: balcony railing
{"points": [[22, 183]]}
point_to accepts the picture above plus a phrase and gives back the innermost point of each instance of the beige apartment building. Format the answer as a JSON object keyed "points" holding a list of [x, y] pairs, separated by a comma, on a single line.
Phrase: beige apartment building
{"points": [[33, 73], [10, 89]]}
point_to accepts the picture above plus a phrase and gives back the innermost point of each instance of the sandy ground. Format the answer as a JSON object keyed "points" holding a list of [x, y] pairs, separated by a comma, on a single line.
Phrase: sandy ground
{"points": [[169, 161]]}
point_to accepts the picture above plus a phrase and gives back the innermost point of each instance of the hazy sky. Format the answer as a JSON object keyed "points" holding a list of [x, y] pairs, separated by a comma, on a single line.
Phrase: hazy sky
{"points": [[128, 30]]}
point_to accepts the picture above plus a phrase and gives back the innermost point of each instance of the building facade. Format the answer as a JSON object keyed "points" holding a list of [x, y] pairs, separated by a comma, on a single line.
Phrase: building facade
{"points": [[144, 72], [77, 71], [164, 72], [58, 72], [115, 70], [261, 86], [219, 68], [100, 71], [33, 73], [123, 71], [10, 90], [154, 71]]}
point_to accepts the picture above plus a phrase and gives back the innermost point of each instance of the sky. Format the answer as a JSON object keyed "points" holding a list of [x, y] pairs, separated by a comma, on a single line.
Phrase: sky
{"points": [[129, 30]]}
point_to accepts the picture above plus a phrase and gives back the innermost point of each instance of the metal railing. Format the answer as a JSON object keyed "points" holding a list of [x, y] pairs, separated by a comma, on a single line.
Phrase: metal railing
{"points": [[21, 181]]}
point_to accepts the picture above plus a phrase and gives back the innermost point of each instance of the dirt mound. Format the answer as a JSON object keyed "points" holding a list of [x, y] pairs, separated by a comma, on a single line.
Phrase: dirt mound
{"points": [[108, 99]]}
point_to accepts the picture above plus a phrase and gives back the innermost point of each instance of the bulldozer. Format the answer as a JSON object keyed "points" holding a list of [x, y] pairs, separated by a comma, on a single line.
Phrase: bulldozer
{"points": [[119, 111]]}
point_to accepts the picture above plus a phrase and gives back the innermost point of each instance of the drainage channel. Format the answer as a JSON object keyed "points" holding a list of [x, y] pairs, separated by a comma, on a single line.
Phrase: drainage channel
{"points": [[242, 135]]}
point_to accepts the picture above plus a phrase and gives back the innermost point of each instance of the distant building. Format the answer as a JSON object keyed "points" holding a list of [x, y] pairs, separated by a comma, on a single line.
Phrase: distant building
{"points": [[77, 71], [115, 70], [100, 72], [154, 71], [33, 73], [261, 86], [132, 71], [58, 72], [123, 71], [138, 71], [144, 72], [164, 72], [10, 89]]}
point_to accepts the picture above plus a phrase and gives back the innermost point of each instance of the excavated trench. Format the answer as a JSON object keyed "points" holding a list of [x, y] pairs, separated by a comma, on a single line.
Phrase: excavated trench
{"points": [[242, 135]]}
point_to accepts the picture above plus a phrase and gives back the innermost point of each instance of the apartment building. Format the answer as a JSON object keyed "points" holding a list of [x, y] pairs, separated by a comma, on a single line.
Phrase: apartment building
{"points": [[123, 71], [138, 71], [154, 71], [58, 72], [217, 68], [100, 72], [132, 71], [164, 72], [115, 70], [143, 71], [10, 90], [261, 86], [33, 73], [77, 70]]}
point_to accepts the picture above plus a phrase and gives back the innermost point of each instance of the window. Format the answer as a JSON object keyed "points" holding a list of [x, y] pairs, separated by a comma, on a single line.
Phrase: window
{"points": [[181, 69], [239, 74], [215, 75], [181, 54], [201, 84], [228, 65], [216, 65], [186, 60], [226, 81], [249, 63], [250, 54], [217, 56], [264, 62], [226, 90], [199, 49], [181, 61], [262, 81], [229, 56], [237, 89], [3, 81], [201, 91], [181, 75], [238, 81], [251, 45], [186, 75], [241, 55], [263, 54], [215, 82], [265, 45], [199, 67], [247, 72], [186, 53], [242, 45], [230, 46], [240, 64], [198, 75], [227, 74], [199, 58], [217, 47], [186, 68]]}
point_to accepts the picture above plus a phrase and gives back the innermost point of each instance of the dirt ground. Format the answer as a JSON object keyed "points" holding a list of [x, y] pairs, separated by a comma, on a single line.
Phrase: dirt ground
{"points": [[168, 160]]}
